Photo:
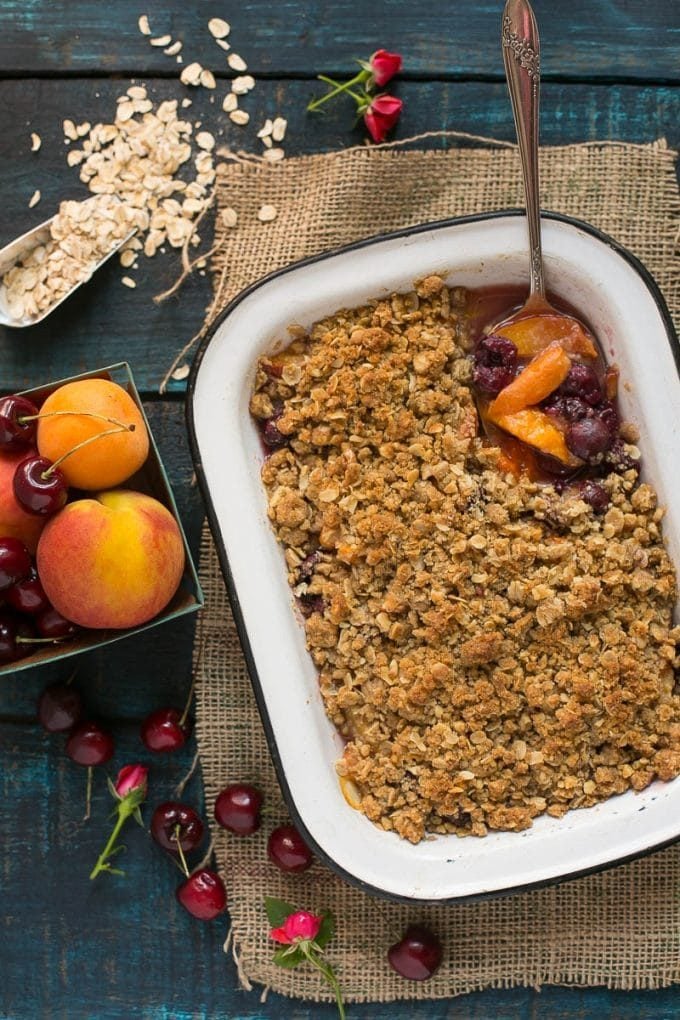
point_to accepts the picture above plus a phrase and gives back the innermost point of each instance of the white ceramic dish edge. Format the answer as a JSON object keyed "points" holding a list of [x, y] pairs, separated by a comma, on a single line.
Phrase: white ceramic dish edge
{"points": [[623, 305]]}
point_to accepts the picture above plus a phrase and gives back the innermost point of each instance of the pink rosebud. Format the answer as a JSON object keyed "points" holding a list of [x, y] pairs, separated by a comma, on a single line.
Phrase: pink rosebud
{"points": [[131, 777], [382, 115], [384, 66], [297, 927]]}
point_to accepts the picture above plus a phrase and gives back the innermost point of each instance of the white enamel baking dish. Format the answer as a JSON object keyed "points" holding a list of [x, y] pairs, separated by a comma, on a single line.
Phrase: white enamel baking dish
{"points": [[624, 306]]}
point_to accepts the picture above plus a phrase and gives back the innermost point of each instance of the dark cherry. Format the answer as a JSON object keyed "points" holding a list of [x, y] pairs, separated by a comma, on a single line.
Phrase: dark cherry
{"points": [[287, 849], [308, 566], [618, 458], [569, 408], [51, 624], [588, 437], [203, 895], [582, 381], [89, 744], [607, 413], [167, 818], [271, 435], [417, 955], [237, 808], [11, 629], [594, 494], [495, 361], [15, 434], [311, 604], [37, 492], [60, 707], [27, 595], [15, 562], [163, 731]]}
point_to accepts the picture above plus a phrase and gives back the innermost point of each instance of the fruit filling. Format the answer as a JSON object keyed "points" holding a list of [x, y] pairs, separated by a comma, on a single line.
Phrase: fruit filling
{"points": [[489, 609]]}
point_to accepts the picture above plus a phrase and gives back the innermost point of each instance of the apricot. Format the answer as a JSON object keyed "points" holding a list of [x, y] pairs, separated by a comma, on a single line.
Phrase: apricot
{"points": [[107, 461], [533, 333], [542, 375], [15, 522], [111, 561], [536, 429]]}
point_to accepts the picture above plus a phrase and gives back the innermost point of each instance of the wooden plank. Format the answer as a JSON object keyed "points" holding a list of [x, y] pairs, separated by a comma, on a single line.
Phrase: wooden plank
{"points": [[129, 679], [106, 320], [612, 38], [122, 947]]}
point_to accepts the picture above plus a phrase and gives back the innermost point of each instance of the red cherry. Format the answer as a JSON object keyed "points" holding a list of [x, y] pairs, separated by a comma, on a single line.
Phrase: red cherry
{"points": [[417, 955], [27, 595], [163, 730], [203, 894], [51, 624], [237, 808], [89, 744], [15, 434], [287, 849], [11, 628], [172, 815], [37, 491], [60, 707], [15, 562]]}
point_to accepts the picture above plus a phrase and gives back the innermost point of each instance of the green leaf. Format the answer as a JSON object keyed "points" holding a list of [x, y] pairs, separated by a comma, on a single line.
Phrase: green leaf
{"points": [[286, 958], [277, 910], [327, 929], [112, 789]]}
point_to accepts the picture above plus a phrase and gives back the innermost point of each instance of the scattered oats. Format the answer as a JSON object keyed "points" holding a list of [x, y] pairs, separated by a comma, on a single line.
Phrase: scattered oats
{"points": [[223, 43], [230, 102], [181, 372], [229, 217], [266, 129], [205, 140], [143, 24], [70, 130], [279, 129], [128, 281], [219, 28], [244, 83], [124, 112], [208, 79], [239, 117], [175, 48], [135, 92], [34, 199], [161, 40], [236, 62], [191, 74], [266, 213], [274, 155], [267, 142], [185, 103], [74, 157], [83, 129], [179, 59], [36, 142], [127, 258]]}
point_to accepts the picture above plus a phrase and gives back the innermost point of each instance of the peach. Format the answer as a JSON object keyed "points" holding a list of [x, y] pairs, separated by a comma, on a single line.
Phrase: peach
{"points": [[112, 561], [104, 462], [15, 522]]}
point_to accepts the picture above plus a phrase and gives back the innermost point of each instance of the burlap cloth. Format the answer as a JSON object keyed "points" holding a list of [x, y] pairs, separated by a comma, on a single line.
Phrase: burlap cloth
{"points": [[620, 928]]}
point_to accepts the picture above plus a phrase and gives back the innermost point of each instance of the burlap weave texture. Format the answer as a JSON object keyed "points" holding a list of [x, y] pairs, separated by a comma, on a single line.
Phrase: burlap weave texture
{"points": [[620, 928]]}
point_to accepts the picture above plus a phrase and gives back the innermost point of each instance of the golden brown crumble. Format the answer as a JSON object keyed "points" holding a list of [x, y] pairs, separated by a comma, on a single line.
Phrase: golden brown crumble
{"points": [[491, 650]]}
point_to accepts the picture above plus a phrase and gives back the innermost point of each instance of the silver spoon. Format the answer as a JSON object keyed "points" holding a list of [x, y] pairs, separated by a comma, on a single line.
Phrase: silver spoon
{"points": [[19, 248]]}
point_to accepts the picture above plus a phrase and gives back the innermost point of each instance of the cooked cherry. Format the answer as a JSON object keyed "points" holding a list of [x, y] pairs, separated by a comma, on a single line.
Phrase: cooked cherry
{"points": [[495, 361], [27, 595], [89, 744], [582, 381], [417, 955], [607, 413], [588, 437], [569, 408], [60, 707], [15, 562], [51, 624], [594, 494], [15, 433], [203, 894], [12, 628], [237, 808], [618, 458], [164, 731], [38, 491], [171, 816], [308, 566], [271, 435], [311, 604], [287, 849]]}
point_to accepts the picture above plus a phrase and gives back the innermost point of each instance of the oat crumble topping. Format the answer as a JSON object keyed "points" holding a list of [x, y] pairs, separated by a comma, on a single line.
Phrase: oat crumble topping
{"points": [[491, 650]]}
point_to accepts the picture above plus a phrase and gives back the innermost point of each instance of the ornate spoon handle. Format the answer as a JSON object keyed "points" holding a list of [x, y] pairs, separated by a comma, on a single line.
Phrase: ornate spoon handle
{"points": [[521, 56]]}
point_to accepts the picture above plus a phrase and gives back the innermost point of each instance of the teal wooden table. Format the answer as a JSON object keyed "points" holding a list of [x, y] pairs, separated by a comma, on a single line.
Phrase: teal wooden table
{"points": [[124, 948]]}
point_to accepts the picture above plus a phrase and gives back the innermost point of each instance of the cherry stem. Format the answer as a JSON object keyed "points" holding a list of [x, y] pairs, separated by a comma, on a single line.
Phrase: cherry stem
{"points": [[85, 442], [88, 794], [41, 641], [88, 414], [328, 973], [338, 87], [190, 698], [182, 858]]}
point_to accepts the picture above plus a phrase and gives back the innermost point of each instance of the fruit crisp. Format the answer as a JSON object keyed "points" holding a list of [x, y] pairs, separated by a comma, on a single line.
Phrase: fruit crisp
{"points": [[492, 648]]}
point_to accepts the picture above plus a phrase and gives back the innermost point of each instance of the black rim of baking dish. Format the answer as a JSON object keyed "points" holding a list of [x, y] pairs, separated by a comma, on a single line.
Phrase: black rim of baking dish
{"points": [[322, 855]]}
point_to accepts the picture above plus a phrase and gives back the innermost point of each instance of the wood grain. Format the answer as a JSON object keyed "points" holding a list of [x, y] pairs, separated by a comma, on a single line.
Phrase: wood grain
{"points": [[105, 321], [631, 39]]}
